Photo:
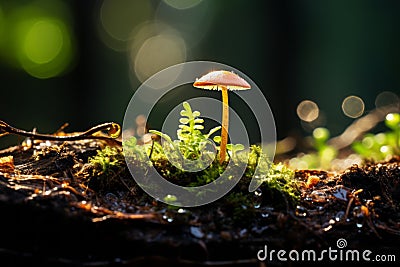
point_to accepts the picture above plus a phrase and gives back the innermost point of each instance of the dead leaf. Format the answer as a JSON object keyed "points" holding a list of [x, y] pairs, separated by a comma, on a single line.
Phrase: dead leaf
{"points": [[7, 164]]}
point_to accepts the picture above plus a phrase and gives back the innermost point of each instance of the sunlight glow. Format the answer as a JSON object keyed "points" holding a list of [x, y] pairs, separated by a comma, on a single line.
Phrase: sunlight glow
{"points": [[390, 116], [308, 111], [46, 47], [353, 106], [43, 41], [157, 53]]}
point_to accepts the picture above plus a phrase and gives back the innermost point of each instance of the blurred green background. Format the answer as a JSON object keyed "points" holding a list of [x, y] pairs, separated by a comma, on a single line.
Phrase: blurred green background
{"points": [[79, 62]]}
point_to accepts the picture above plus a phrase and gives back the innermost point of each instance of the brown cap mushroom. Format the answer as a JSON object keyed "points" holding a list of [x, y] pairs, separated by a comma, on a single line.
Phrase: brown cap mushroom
{"points": [[215, 80], [222, 80]]}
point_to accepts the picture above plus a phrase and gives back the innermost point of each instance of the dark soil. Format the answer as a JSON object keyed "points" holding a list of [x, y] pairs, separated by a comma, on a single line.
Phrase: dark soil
{"points": [[54, 214]]}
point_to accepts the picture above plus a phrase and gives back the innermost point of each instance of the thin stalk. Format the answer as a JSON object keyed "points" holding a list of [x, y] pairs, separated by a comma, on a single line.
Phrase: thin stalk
{"points": [[225, 124]]}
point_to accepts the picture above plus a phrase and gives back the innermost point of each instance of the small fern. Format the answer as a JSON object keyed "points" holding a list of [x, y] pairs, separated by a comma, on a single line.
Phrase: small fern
{"points": [[191, 141]]}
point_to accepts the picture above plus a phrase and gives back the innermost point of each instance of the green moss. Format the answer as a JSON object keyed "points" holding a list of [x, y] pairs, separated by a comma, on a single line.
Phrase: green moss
{"points": [[274, 179], [106, 161], [239, 207]]}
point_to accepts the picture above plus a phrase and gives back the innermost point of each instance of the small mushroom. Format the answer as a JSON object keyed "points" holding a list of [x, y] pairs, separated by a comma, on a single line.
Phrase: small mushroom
{"points": [[224, 81]]}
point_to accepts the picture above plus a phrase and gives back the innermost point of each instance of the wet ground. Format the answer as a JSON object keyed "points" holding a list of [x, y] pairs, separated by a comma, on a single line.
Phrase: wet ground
{"points": [[53, 214]]}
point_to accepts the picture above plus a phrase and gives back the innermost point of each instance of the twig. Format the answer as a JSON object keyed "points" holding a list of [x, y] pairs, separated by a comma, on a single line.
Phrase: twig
{"points": [[113, 129]]}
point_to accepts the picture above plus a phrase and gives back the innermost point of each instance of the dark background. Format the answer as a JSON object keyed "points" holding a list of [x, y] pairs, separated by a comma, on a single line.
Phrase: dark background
{"points": [[322, 51]]}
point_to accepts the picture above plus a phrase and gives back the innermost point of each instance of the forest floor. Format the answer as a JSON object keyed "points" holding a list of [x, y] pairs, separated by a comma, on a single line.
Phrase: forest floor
{"points": [[54, 214]]}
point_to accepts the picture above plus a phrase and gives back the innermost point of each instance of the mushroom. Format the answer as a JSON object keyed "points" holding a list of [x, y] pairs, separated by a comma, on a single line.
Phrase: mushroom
{"points": [[222, 80]]}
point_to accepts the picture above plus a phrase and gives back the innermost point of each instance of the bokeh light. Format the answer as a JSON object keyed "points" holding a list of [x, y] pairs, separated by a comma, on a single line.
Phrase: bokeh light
{"points": [[118, 18], [387, 98], [40, 39], [45, 50], [321, 133], [192, 19], [182, 4], [353, 106], [157, 53], [307, 111], [368, 142], [392, 120], [43, 41], [2, 26]]}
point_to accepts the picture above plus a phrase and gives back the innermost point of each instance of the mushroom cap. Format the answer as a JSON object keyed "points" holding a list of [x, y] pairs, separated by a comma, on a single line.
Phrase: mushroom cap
{"points": [[221, 77]]}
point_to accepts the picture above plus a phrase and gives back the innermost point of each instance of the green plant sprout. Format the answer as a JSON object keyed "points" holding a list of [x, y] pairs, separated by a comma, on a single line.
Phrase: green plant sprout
{"points": [[382, 145], [191, 143]]}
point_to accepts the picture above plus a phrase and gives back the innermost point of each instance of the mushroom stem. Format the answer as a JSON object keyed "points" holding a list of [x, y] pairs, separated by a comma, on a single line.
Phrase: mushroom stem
{"points": [[225, 124]]}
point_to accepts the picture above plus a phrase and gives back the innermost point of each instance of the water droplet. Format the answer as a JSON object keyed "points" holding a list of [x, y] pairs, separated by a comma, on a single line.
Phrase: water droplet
{"points": [[257, 198], [258, 192], [341, 193], [359, 224], [181, 215], [326, 224], [196, 232], [308, 198], [181, 211], [130, 209], [243, 232], [339, 217], [358, 216], [301, 211], [319, 196], [112, 200], [168, 216], [210, 235], [320, 208], [265, 212]]}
